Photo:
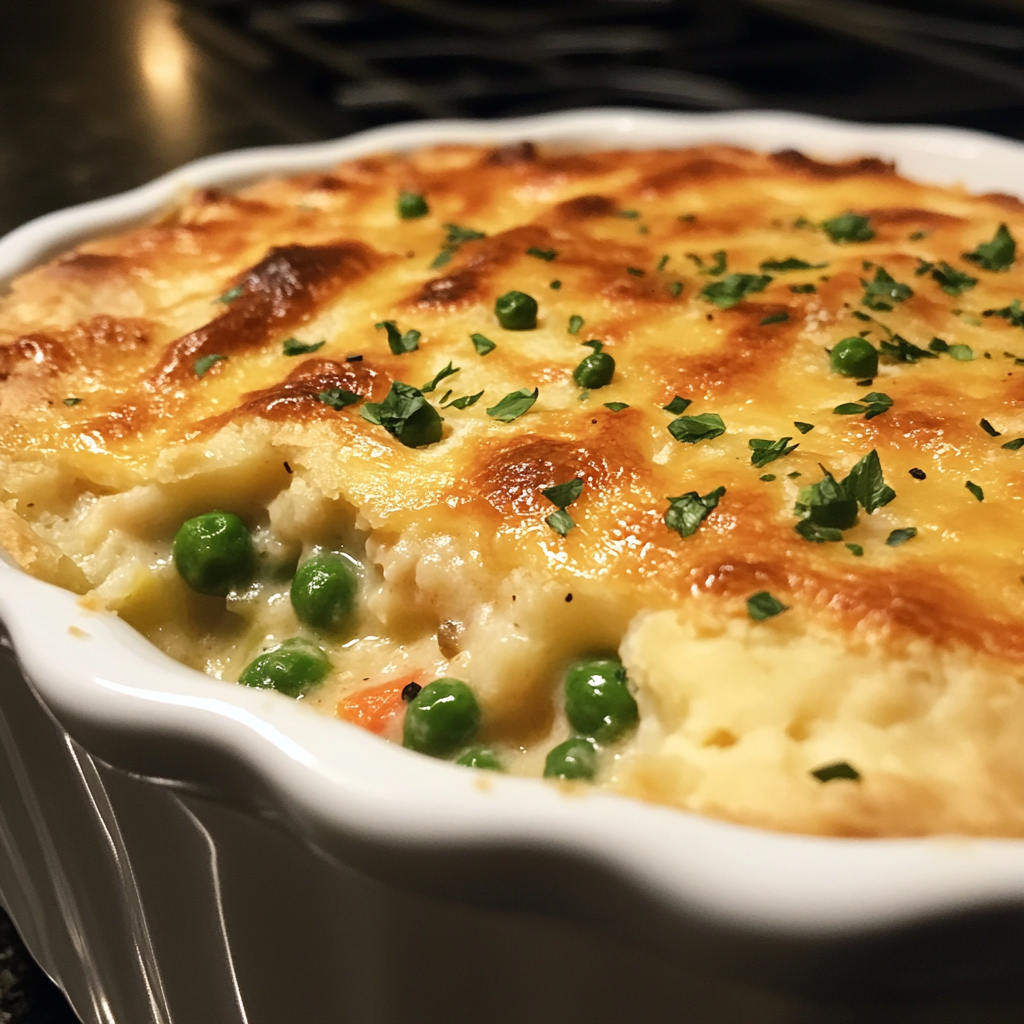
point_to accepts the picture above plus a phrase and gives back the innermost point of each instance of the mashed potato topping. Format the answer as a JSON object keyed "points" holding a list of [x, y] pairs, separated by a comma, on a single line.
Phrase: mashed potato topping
{"points": [[752, 424]]}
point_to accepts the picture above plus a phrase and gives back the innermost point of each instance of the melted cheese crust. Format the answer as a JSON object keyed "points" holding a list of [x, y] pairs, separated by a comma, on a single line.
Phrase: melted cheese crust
{"points": [[906, 662]]}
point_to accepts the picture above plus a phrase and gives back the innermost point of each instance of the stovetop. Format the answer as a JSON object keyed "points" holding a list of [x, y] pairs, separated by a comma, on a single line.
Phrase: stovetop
{"points": [[368, 63]]}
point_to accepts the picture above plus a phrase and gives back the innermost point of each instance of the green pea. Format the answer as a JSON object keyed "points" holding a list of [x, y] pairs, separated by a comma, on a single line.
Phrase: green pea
{"points": [[483, 758], [574, 759], [323, 592], [290, 668], [441, 718], [597, 700], [214, 553], [595, 371], [516, 311], [412, 205], [854, 357]]}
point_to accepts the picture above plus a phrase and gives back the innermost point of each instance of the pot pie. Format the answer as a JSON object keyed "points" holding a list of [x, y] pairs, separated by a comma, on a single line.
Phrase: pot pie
{"points": [[691, 474]]}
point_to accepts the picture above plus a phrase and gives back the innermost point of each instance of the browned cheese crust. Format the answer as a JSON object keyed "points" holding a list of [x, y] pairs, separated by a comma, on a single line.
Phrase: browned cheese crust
{"points": [[121, 322]]}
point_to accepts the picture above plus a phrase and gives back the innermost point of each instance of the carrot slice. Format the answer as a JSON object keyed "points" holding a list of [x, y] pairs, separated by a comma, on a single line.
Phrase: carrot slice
{"points": [[374, 707]]}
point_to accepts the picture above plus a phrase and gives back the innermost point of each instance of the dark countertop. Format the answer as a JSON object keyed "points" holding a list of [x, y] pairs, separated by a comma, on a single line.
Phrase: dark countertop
{"points": [[100, 96]]}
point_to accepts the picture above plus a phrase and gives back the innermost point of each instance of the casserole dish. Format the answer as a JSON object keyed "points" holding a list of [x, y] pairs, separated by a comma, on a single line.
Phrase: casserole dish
{"points": [[255, 862]]}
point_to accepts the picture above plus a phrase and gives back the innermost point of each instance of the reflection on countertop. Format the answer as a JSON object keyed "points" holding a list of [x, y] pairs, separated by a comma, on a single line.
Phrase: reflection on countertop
{"points": [[98, 97]]}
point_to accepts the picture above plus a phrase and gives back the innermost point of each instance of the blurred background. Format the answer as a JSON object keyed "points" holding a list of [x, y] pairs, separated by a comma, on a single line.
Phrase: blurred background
{"points": [[97, 96]]}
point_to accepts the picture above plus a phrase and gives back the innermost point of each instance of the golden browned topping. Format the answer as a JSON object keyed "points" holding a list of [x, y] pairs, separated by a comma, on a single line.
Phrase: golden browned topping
{"points": [[240, 353]]}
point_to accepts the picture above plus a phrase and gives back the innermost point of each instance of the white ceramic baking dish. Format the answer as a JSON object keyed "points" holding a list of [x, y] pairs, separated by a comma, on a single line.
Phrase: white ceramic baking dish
{"points": [[178, 849]]}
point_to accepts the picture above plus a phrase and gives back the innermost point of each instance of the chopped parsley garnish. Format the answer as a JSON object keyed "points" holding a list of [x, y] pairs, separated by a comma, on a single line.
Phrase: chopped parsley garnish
{"points": [[829, 503], [989, 429], [951, 280], [793, 476], [565, 494], [678, 405], [719, 266], [1015, 445], [662, 263], [71, 401], [975, 490], [431, 384], [898, 537], [555, 285], [866, 484], [513, 405], [860, 316], [830, 506], [294, 347], [482, 344], [775, 318], [734, 289], [856, 550], [200, 366], [465, 402], [412, 205], [675, 289], [817, 534], [616, 406], [1013, 314], [916, 236], [996, 255], [686, 218], [337, 398], [849, 227], [689, 510], [802, 289], [542, 254], [791, 263], [575, 323], [406, 415], [838, 770], [872, 405], [768, 477], [562, 495], [963, 353], [629, 214], [804, 428], [691, 429], [634, 271], [231, 294], [764, 451], [881, 292], [398, 342], [900, 350], [762, 605], [454, 237], [444, 398]]}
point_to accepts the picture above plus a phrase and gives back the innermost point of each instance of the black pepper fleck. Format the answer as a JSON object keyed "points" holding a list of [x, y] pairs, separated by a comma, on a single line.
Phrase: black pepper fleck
{"points": [[287, 468], [353, 359], [409, 691], [866, 383], [568, 598], [918, 474], [711, 316]]}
